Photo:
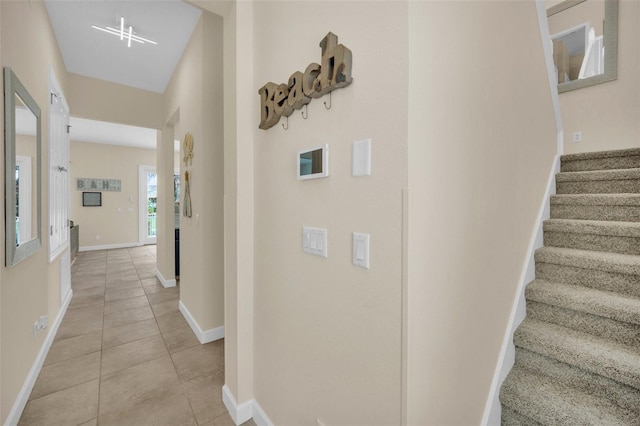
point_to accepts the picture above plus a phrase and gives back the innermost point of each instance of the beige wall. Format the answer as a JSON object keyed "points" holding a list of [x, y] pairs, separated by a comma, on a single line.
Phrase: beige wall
{"points": [[480, 151], [239, 98], [117, 221], [327, 333], [608, 114], [105, 101], [31, 288], [195, 90], [165, 248]]}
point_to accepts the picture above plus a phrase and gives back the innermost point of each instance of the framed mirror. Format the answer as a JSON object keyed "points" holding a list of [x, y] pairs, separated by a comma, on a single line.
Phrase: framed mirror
{"points": [[22, 192], [584, 35]]}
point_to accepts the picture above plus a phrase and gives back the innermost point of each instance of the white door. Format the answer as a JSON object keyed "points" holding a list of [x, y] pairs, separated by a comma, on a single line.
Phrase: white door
{"points": [[148, 196], [59, 183]]}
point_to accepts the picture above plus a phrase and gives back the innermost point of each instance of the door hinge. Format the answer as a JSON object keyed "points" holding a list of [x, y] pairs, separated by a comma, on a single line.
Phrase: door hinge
{"points": [[53, 95], [51, 230], [68, 127]]}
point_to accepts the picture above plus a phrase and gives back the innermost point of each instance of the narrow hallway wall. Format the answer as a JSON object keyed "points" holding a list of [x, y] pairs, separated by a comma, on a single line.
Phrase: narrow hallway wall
{"points": [[328, 333], [31, 288]]}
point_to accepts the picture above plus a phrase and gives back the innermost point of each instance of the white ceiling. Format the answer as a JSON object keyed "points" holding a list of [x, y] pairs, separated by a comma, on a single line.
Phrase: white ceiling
{"points": [[93, 53], [89, 52]]}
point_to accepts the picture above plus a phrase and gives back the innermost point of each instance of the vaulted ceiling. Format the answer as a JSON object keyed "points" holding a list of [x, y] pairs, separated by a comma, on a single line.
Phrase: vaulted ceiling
{"points": [[89, 52], [93, 53]]}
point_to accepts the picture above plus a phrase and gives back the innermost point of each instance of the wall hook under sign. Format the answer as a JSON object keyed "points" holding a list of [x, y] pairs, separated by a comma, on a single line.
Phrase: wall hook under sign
{"points": [[305, 111], [287, 126], [325, 102]]}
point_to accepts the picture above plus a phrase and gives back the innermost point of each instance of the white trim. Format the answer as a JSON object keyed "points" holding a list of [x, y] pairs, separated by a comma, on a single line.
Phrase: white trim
{"points": [[65, 276], [57, 252], [492, 410], [30, 381], [239, 413], [259, 416], [245, 411], [165, 282], [204, 336], [109, 246]]}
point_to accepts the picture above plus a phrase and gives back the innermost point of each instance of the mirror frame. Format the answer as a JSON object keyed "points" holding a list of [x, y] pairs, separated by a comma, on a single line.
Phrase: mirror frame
{"points": [[610, 34], [13, 87]]}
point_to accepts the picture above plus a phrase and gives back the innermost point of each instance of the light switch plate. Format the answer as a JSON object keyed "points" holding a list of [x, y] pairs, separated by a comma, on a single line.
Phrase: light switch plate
{"points": [[361, 158], [361, 250], [314, 241]]}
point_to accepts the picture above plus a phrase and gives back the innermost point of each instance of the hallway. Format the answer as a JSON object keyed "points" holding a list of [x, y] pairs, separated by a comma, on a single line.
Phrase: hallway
{"points": [[124, 355]]}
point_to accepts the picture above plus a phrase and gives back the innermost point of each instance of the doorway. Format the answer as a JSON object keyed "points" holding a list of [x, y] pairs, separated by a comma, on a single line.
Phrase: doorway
{"points": [[148, 195]]}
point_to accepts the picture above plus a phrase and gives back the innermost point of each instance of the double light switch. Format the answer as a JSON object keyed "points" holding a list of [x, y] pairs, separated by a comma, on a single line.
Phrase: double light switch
{"points": [[314, 241]]}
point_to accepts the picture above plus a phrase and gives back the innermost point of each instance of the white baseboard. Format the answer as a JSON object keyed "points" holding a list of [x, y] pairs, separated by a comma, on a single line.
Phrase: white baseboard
{"points": [[259, 416], [239, 413], [109, 247], [493, 410], [30, 381], [165, 282], [245, 411], [204, 336]]}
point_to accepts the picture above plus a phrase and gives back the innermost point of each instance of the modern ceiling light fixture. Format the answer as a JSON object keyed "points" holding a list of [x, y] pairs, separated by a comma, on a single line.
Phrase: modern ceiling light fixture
{"points": [[124, 33]]}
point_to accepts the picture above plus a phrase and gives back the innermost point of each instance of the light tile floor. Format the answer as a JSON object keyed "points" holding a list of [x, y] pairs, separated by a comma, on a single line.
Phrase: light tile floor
{"points": [[124, 355]]}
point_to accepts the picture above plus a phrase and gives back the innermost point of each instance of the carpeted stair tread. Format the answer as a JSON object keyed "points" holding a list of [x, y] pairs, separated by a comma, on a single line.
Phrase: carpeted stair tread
{"points": [[596, 235], [596, 199], [622, 395], [542, 399], [599, 182], [596, 355], [616, 159], [595, 175], [596, 302], [622, 332], [618, 207], [587, 259], [593, 227]]}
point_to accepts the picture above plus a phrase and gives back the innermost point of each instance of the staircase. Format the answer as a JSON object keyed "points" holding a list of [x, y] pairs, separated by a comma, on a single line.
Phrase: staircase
{"points": [[578, 348]]}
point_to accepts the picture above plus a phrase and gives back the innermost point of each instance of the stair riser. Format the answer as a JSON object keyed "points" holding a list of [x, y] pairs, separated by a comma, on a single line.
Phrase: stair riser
{"points": [[593, 384], [616, 213], [626, 162], [599, 187], [620, 332], [608, 281], [582, 241]]}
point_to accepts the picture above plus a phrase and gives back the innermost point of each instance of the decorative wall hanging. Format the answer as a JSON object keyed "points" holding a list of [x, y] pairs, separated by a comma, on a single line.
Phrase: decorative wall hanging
{"points": [[277, 100], [92, 184], [187, 147], [187, 196], [92, 199]]}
